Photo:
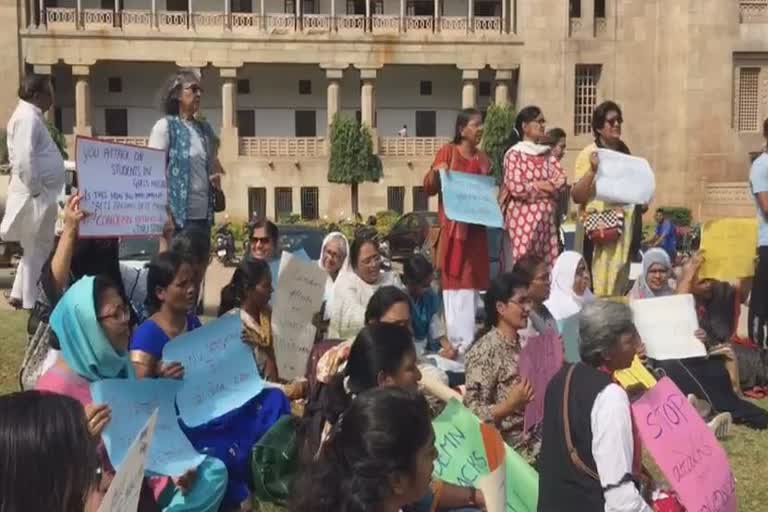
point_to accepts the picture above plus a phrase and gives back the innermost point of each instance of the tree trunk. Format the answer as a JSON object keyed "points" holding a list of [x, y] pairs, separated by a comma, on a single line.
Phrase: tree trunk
{"points": [[355, 202]]}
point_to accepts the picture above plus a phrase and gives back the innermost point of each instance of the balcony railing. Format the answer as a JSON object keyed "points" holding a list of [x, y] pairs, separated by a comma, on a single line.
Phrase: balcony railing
{"points": [[135, 141], [411, 146], [753, 11], [281, 146], [215, 22]]}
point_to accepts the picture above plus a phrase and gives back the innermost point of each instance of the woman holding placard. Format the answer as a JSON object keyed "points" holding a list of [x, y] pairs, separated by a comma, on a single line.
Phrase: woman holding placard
{"points": [[612, 232], [462, 249], [194, 171], [91, 322], [533, 179]]}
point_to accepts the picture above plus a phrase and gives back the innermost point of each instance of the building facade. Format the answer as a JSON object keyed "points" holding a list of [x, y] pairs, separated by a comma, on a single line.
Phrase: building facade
{"points": [[691, 76]]}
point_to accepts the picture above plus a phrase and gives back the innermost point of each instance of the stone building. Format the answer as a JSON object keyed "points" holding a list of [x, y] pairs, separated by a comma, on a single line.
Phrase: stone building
{"points": [[691, 75]]}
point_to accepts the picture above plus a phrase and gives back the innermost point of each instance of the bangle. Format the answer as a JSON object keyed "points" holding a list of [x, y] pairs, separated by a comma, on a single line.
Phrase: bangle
{"points": [[472, 496]]}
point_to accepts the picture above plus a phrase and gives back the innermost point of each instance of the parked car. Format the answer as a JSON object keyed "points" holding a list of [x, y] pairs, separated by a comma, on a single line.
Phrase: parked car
{"points": [[136, 252], [409, 234]]}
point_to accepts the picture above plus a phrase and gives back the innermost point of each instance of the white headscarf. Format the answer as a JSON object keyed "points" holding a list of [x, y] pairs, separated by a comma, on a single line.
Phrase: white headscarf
{"points": [[335, 235], [563, 302]]}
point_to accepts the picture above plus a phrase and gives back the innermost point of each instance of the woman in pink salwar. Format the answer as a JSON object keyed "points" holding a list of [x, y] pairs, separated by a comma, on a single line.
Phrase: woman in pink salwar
{"points": [[532, 182]]}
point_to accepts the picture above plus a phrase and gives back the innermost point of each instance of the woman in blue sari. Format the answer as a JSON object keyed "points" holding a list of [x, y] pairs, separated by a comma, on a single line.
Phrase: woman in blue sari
{"points": [[91, 322]]}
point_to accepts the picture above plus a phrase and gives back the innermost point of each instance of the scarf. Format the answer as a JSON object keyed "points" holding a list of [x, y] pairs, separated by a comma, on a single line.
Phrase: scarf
{"points": [[563, 302], [641, 290], [262, 328], [422, 311], [328, 294], [179, 167], [84, 346], [531, 148]]}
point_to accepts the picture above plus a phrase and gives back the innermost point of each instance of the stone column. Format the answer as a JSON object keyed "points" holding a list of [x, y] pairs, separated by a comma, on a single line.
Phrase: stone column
{"points": [[81, 75], [402, 15], [504, 4], [79, 15], [470, 15], [588, 18], [334, 77], [469, 88], [501, 95], [368, 104], [155, 21], [42, 21], [46, 69], [262, 14], [228, 14], [436, 16], [368, 26], [229, 135], [190, 15]]}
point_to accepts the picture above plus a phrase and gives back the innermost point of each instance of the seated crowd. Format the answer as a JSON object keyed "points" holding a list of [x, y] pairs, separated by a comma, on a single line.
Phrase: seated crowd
{"points": [[365, 440]]}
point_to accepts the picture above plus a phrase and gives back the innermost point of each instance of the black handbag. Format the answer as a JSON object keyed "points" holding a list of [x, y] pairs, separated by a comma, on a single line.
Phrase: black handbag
{"points": [[219, 200]]}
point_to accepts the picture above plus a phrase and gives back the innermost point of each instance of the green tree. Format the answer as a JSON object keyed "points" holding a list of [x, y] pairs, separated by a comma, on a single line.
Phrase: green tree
{"points": [[498, 124], [352, 160]]}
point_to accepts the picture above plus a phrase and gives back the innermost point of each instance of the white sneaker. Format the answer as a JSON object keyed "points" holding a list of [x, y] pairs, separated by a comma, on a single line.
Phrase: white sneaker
{"points": [[703, 407], [721, 424]]}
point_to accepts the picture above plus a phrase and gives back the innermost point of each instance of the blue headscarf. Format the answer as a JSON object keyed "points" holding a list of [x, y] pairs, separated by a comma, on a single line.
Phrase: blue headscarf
{"points": [[85, 347]]}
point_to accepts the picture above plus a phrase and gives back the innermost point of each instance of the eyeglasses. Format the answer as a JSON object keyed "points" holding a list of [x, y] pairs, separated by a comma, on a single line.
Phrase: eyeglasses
{"points": [[526, 303], [194, 88], [540, 120], [372, 261], [120, 314], [614, 121]]}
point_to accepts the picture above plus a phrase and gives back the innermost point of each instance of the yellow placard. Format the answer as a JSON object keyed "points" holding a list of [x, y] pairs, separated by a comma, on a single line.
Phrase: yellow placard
{"points": [[729, 247], [637, 374]]}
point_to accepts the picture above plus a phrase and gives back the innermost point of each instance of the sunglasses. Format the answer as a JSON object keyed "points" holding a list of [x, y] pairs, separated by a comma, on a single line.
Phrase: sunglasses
{"points": [[614, 121], [261, 240]]}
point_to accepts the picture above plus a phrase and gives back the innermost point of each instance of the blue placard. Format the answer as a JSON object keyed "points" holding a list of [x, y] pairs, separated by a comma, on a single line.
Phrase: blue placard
{"points": [[471, 198], [220, 372], [569, 331], [132, 403]]}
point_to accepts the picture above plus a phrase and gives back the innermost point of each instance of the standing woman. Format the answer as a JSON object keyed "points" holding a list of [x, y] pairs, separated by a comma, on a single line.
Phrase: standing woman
{"points": [[462, 253], [194, 170], [532, 182], [609, 259]]}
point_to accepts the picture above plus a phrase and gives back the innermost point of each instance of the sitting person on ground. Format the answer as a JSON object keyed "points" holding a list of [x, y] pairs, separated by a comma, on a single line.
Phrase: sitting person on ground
{"points": [[535, 271], [570, 286], [334, 259], [496, 392], [427, 321], [50, 460], [92, 325], [382, 355]]}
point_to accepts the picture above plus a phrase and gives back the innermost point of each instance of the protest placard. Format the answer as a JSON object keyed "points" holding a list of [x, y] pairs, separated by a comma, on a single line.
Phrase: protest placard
{"points": [[667, 326], [687, 452], [471, 198], [300, 290], [125, 489], [540, 360], [623, 179], [462, 458], [729, 249], [132, 403], [494, 484], [220, 372], [569, 332], [124, 189], [635, 375]]}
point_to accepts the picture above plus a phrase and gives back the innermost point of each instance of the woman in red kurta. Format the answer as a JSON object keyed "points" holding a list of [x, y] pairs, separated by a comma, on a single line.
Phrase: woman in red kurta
{"points": [[532, 182], [462, 254]]}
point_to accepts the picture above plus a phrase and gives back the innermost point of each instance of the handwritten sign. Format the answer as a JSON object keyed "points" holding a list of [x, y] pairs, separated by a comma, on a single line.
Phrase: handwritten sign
{"points": [[686, 451], [220, 373], [300, 290], [132, 403], [124, 189], [635, 375], [667, 325], [623, 179], [729, 247], [125, 489], [569, 331], [462, 458], [539, 361], [471, 198]]}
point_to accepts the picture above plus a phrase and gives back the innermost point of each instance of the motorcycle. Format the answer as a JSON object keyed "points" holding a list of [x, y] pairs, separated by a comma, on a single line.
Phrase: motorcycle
{"points": [[225, 244]]}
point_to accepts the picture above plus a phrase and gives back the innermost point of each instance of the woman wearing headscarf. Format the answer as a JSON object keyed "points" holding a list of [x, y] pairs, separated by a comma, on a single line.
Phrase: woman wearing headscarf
{"points": [[92, 324], [570, 286], [334, 259], [655, 278]]}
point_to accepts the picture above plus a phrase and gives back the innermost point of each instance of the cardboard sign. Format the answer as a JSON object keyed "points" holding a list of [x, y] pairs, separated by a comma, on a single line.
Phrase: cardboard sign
{"points": [[220, 373], [462, 458], [540, 360], [123, 493], [667, 325], [300, 291], [569, 331], [471, 198], [132, 403], [623, 179], [687, 452], [124, 188], [729, 247]]}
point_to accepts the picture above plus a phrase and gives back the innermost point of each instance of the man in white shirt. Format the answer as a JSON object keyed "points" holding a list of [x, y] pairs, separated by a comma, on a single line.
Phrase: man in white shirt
{"points": [[37, 178]]}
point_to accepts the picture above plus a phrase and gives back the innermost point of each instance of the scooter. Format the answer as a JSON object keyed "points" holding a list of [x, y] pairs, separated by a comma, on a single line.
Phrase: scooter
{"points": [[225, 245]]}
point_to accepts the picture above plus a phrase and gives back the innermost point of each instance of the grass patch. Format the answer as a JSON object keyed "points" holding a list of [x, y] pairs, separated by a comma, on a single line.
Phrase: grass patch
{"points": [[745, 447]]}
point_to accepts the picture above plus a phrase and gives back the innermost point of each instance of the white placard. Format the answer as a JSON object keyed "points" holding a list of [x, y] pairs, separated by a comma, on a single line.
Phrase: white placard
{"points": [[667, 326], [623, 179], [299, 295], [125, 489], [124, 188]]}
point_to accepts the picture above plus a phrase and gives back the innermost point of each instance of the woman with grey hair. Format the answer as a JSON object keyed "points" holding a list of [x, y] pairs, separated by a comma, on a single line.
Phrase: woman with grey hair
{"points": [[588, 453], [194, 171]]}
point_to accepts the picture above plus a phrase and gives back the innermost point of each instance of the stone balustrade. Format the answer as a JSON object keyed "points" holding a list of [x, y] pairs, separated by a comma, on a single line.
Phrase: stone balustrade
{"points": [[281, 146], [411, 146], [753, 11]]}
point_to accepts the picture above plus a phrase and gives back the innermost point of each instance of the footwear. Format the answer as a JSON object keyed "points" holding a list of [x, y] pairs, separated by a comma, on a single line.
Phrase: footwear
{"points": [[15, 303], [721, 424], [756, 393], [702, 406]]}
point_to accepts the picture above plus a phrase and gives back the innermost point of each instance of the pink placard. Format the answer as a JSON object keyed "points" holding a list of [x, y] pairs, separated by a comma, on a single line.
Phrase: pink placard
{"points": [[685, 450], [539, 361]]}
